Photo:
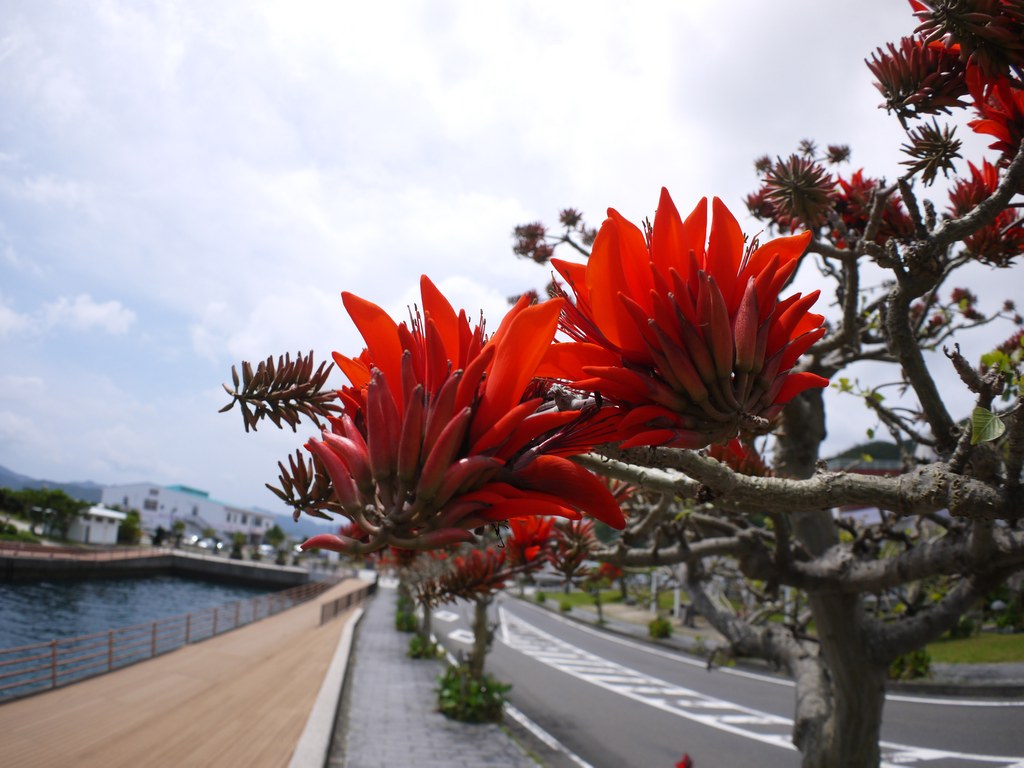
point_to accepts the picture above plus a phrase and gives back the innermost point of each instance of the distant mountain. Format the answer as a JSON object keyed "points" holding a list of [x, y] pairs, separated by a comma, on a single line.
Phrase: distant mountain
{"points": [[305, 527], [85, 490]]}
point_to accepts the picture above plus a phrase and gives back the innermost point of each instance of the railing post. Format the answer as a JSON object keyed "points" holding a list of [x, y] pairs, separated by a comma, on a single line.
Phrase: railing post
{"points": [[238, 612], [53, 663], [188, 628], [152, 643], [110, 650], [216, 611]]}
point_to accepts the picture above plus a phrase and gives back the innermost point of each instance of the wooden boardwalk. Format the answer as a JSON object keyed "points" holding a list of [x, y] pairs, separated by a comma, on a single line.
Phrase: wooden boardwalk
{"points": [[241, 698]]}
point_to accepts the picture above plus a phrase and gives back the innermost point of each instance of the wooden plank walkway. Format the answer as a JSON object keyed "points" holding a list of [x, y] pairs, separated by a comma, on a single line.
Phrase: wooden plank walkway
{"points": [[241, 698]]}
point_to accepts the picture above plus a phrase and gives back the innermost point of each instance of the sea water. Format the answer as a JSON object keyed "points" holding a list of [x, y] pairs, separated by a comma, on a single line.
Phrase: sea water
{"points": [[43, 611]]}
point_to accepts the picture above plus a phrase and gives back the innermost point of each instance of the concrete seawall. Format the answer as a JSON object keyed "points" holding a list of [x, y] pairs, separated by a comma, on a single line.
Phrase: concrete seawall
{"points": [[24, 567]]}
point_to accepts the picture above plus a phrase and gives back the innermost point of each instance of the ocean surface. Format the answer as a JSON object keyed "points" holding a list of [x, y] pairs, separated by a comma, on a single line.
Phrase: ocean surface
{"points": [[40, 612]]}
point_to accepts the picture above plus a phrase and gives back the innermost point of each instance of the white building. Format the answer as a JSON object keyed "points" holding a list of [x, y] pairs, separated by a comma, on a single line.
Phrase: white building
{"points": [[161, 506], [96, 525]]}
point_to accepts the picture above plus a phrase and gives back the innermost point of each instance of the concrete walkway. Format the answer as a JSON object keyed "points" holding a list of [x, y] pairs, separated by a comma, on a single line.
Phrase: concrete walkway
{"points": [[239, 699], [388, 717]]}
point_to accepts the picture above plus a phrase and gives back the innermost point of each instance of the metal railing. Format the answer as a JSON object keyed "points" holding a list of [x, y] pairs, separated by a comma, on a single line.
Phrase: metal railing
{"points": [[331, 609], [33, 668], [24, 549]]}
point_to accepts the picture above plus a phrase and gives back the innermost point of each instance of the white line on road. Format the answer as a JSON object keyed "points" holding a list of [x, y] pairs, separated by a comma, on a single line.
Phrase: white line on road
{"points": [[702, 664], [692, 705], [463, 636]]}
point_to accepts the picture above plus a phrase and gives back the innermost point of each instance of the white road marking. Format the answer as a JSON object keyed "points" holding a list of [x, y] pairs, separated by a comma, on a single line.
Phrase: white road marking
{"points": [[544, 736], [446, 616], [462, 636], [683, 702], [702, 664]]}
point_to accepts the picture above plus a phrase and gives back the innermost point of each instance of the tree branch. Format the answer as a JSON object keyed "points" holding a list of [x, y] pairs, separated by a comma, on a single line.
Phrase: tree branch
{"points": [[887, 641], [928, 488]]}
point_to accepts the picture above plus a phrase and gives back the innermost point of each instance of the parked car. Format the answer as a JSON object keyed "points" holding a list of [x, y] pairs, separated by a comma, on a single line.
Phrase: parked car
{"points": [[212, 544], [266, 550]]}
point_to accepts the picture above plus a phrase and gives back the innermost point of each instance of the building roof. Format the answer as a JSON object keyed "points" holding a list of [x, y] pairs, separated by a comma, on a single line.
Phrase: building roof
{"points": [[100, 511]]}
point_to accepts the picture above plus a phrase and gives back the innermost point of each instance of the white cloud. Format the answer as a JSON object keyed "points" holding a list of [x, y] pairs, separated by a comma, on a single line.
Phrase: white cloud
{"points": [[11, 321], [48, 189], [233, 166], [83, 313]]}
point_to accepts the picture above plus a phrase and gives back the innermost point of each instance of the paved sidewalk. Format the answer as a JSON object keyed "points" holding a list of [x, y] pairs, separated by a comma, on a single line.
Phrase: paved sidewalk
{"points": [[388, 715]]}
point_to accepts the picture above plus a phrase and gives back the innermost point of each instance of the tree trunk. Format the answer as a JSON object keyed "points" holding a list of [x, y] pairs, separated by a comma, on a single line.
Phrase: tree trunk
{"points": [[846, 734], [850, 735], [481, 637], [426, 624]]}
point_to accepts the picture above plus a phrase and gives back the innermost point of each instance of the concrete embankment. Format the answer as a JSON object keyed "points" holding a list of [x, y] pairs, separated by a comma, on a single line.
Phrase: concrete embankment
{"points": [[20, 566]]}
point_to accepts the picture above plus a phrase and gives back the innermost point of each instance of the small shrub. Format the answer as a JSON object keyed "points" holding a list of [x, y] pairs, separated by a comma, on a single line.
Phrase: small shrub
{"points": [[1012, 618], [10, 532], [964, 628], [564, 606], [659, 628], [405, 621], [405, 616], [422, 649], [911, 666], [462, 698], [540, 597]]}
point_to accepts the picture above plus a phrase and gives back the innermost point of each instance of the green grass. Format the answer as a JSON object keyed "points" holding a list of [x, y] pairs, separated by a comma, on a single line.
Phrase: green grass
{"points": [[575, 599], [986, 648], [20, 536]]}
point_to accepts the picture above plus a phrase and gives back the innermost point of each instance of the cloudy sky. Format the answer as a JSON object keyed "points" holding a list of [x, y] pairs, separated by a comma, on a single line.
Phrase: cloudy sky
{"points": [[184, 185]]}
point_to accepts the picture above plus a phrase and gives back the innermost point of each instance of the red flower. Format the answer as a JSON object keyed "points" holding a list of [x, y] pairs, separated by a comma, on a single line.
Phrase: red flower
{"points": [[436, 437], [477, 572], [1003, 239], [741, 457], [1000, 109], [530, 539], [853, 204], [575, 541], [988, 34], [917, 78], [608, 571], [688, 334]]}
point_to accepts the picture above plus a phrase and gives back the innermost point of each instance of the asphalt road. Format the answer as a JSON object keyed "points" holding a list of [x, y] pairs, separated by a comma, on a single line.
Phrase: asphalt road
{"points": [[618, 702]]}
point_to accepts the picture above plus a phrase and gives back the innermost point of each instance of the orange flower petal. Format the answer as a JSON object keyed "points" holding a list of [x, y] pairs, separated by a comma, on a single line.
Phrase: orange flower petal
{"points": [[618, 252], [437, 308], [578, 486], [516, 358], [380, 333], [725, 252]]}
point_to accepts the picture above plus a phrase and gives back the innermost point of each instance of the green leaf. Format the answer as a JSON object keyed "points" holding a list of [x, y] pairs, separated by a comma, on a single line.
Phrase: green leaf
{"points": [[985, 426]]}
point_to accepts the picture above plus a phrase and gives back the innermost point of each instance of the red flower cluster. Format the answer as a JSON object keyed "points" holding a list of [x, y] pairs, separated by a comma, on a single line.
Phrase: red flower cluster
{"points": [[1000, 109], [530, 539], [1002, 240], [687, 333], [853, 204], [476, 572], [440, 436]]}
